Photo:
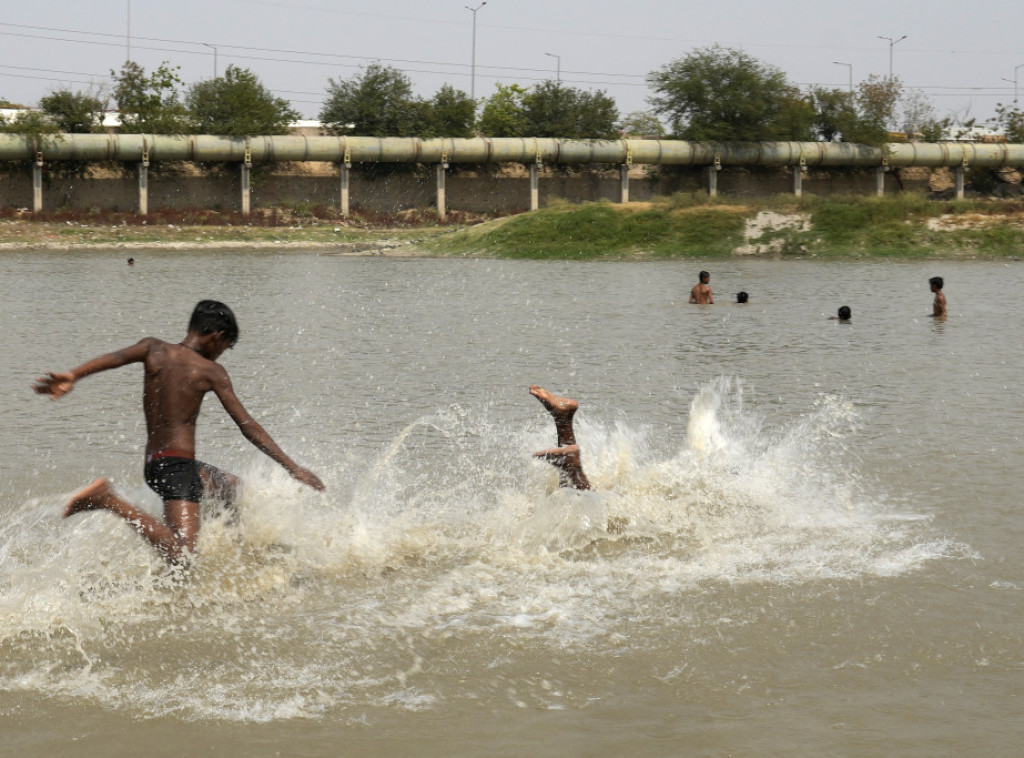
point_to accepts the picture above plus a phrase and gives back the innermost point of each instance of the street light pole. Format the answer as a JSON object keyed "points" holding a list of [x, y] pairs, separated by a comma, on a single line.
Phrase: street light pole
{"points": [[849, 69], [128, 34], [472, 76], [558, 59], [214, 48], [892, 44]]}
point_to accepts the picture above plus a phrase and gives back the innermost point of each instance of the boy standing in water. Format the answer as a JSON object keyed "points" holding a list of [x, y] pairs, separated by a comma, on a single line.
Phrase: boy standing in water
{"points": [[701, 292], [939, 304], [177, 377]]}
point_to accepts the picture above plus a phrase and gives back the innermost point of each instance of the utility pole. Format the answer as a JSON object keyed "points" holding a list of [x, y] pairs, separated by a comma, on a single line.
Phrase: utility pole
{"points": [[472, 76], [214, 48], [892, 44], [559, 63]]}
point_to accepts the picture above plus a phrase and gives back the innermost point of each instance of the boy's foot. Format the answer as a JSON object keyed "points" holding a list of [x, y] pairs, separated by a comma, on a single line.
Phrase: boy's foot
{"points": [[561, 408], [89, 498]]}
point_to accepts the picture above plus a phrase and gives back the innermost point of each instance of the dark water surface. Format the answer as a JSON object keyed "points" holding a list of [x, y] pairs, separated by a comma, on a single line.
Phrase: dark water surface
{"points": [[823, 521]]}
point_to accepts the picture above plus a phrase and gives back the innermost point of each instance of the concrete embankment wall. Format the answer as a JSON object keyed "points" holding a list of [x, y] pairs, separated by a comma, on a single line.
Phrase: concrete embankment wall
{"points": [[476, 192]]}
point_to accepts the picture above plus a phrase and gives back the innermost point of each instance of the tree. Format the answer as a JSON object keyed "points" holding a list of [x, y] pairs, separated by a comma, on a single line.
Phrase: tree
{"points": [[1010, 119], [641, 125], [237, 105], [150, 104], [74, 112], [502, 114], [721, 94], [877, 97], [31, 123], [919, 119], [377, 102], [553, 109], [835, 114], [449, 113]]}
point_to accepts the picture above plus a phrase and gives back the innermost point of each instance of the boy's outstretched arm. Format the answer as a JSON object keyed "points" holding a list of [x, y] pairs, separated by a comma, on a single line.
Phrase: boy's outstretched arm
{"points": [[259, 436], [61, 383]]}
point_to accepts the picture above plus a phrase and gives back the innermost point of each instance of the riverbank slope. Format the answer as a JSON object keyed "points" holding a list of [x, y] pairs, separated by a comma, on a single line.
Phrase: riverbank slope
{"points": [[682, 226]]}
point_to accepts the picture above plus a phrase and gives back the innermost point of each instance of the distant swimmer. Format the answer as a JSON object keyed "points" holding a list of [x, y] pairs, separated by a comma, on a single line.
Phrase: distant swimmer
{"points": [[176, 379], [565, 457], [131, 261], [742, 297], [842, 315], [701, 292], [939, 304]]}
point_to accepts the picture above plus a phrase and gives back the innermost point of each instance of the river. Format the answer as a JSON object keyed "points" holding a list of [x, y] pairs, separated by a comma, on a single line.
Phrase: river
{"points": [[816, 527]]}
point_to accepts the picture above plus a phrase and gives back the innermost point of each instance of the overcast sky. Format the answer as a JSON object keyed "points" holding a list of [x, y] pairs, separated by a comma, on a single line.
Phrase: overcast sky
{"points": [[957, 53]]}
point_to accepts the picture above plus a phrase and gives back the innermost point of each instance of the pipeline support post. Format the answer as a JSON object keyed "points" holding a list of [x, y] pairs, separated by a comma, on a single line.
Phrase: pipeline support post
{"points": [[345, 173], [880, 180], [246, 181], [37, 184], [624, 176], [961, 170], [535, 185], [798, 178], [442, 167], [144, 184], [713, 176]]}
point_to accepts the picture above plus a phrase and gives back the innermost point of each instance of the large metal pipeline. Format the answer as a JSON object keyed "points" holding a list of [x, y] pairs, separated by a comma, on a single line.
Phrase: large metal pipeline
{"points": [[213, 149]]}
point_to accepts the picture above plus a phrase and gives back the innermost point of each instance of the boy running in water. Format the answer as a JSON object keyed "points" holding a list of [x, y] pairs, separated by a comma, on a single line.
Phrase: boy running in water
{"points": [[176, 379]]}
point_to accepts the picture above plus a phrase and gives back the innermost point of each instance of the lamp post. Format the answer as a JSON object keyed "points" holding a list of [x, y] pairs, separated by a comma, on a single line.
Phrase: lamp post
{"points": [[472, 75], [214, 48], [128, 34], [892, 44], [1015, 70], [849, 70], [558, 59]]}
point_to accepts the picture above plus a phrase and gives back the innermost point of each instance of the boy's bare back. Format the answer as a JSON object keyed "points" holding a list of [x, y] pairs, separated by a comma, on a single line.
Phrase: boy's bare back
{"points": [[177, 379]]}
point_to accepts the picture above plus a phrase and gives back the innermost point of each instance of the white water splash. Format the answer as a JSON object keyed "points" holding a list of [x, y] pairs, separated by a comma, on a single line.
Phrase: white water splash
{"points": [[310, 605]]}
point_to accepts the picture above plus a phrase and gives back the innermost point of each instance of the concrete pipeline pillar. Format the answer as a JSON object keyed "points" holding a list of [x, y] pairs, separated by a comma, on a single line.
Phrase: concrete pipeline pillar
{"points": [[535, 186], [37, 184], [624, 183], [798, 179], [345, 173], [144, 188], [247, 180], [441, 210], [713, 170], [960, 182], [880, 181]]}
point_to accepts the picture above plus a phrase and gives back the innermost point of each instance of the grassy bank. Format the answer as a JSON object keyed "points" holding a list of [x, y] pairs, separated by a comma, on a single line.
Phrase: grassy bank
{"points": [[696, 226], [682, 226]]}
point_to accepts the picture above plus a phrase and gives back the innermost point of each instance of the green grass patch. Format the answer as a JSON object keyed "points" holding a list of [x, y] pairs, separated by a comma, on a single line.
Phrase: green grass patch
{"points": [[604, 230]]}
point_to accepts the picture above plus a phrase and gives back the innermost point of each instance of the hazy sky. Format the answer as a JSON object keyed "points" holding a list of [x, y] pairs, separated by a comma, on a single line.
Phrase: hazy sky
{"points": [[955, 52]]}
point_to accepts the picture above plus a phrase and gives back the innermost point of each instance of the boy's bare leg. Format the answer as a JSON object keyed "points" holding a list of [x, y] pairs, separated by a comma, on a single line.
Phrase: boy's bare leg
{"points": [[174, 537], [562, 409], [570, 469], [566, 457]]}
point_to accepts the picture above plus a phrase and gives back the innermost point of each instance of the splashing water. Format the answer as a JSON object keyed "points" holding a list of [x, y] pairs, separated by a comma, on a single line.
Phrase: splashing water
{"points": [[306, 606]]}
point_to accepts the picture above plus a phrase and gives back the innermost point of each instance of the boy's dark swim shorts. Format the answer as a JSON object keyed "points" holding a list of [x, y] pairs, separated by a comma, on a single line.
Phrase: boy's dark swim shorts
{"points": [[174, 478]]}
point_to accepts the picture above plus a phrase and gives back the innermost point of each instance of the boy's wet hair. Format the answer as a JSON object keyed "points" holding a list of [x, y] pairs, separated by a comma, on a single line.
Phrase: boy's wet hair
{"points": [[844, 312], [211, 316], [703, 275], [936, 280], [742, 297]]}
